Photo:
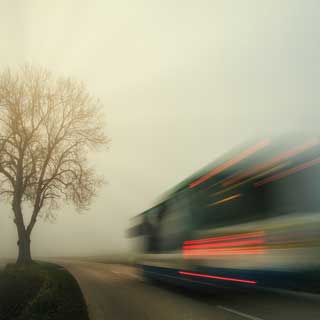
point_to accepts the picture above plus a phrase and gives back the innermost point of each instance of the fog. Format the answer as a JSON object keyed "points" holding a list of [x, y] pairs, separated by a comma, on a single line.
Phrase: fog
{"points": [[181, 82]]}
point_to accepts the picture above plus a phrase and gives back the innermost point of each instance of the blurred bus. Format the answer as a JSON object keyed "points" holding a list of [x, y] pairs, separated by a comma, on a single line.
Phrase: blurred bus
{"points": [[251, 219]]}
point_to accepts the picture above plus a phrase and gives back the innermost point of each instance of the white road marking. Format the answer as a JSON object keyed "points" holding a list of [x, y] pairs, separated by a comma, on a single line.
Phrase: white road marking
{"points": [[245, 315]]}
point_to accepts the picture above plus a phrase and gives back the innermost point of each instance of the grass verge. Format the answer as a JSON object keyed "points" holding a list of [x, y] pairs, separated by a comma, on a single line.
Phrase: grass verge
{"points": [[41, 291]]}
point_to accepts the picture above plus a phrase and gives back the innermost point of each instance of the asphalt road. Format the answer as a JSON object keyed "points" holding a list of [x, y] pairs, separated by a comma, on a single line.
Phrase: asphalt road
{"points": [[117, 292]]}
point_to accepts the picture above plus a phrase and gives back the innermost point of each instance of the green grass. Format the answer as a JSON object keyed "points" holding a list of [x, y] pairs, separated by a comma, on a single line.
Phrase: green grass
{"points": [[41, 291]]}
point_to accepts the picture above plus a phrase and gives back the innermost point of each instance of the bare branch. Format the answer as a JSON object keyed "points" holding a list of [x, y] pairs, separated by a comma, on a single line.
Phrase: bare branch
{"points": [[47, 127]]}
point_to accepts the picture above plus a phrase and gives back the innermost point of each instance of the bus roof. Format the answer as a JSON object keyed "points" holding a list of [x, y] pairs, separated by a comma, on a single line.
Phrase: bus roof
{"points": [[226, 163], [187, 182]]}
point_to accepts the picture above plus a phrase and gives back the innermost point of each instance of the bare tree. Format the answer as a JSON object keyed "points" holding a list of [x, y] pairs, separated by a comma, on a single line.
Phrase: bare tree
{"points": [[47, 127]]}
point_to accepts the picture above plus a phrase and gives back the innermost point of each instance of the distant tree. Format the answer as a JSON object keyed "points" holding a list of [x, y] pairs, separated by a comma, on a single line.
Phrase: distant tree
{"points": [[47, 127]]}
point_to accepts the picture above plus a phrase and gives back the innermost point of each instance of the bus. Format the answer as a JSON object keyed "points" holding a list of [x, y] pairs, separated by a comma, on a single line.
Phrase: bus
{"points": [[250, 219]]}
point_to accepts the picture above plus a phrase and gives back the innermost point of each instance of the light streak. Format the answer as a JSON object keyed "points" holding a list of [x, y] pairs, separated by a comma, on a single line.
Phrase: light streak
{"points": [[224, 244], [235, 196], [263, 173], [229, 237], [283, 156], [208, 276], [224, 251], [288, 172], [246, 153], [245, 243]]}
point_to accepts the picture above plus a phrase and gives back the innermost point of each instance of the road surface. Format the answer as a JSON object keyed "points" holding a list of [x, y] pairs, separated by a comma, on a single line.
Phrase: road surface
{"points": [[117, 292]]}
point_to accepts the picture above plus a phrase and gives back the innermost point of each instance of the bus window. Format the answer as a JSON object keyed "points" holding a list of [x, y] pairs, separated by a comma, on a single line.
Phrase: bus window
{"points": [[298, 192], [174, 224], [242, 205]]}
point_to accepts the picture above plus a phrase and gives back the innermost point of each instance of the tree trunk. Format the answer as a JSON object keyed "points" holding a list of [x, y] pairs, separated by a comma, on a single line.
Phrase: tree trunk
{"points": [[24, 256], [24, 253]]}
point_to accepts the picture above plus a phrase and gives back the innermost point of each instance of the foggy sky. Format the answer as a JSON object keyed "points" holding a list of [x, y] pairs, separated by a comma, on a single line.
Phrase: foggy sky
{"points": [[182, 82]]}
